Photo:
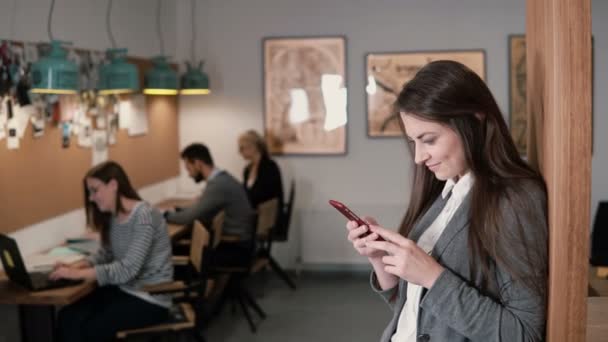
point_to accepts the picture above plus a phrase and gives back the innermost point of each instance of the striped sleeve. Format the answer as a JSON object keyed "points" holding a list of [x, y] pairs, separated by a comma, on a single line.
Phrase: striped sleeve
{"points": [[125, 269], [102, 256]]}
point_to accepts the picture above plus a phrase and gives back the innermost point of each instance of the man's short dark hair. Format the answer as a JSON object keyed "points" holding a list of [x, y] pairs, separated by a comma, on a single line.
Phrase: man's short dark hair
{"points": [[197, 151]]}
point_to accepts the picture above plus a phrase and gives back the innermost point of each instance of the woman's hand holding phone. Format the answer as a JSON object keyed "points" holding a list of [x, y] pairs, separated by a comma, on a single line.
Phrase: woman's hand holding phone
{"points": [[360, 235]]}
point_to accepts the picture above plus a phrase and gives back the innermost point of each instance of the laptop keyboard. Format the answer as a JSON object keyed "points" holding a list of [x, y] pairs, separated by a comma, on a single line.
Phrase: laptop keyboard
{"points": [[41, 280]]}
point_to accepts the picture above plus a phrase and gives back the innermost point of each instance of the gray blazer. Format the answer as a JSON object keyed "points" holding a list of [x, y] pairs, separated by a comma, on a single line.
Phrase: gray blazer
{"points": [[222, 193], [454, 309]]}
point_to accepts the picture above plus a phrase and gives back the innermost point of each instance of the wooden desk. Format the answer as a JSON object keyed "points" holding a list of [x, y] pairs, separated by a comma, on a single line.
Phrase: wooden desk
{"points": [[37, 309], [597, 319]]}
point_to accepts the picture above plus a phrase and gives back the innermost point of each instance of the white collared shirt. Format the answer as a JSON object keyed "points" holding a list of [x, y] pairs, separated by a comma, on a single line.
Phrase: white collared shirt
{"points": [[408, 318]]}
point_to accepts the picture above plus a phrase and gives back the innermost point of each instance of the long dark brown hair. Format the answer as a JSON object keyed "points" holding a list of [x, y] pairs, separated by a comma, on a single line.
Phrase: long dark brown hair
{"points": [[96, 219], [451, 94]]}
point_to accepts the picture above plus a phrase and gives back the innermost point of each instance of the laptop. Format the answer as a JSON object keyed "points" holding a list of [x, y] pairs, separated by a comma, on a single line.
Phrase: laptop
{"points": [[17, 273]]}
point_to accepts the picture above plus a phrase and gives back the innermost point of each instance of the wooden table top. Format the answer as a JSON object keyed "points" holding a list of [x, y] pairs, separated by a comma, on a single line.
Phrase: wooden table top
{"points": [[11, 293]]}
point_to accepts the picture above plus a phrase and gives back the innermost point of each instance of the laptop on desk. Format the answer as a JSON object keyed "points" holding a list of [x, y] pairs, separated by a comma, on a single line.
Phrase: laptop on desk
{"points": [[17, 273]]}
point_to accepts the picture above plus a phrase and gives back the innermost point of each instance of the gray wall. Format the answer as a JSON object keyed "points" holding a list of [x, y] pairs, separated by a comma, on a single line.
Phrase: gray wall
{"points": [[373, 176]]}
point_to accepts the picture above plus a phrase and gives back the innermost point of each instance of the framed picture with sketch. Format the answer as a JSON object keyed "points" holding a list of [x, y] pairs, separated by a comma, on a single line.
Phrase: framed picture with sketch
{"points": [[518, 121], [305, 97], [387, 72]]}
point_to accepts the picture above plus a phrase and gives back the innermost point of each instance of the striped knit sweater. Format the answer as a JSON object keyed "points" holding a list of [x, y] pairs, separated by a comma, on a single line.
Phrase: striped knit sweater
{"points": [[139, 254]]}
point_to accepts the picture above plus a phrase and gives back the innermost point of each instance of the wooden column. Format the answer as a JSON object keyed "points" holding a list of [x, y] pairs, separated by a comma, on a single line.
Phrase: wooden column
{"points": [[559, 143]]}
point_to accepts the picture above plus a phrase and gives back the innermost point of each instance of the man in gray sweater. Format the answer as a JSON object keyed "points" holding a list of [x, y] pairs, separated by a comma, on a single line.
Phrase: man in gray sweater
{"points": [[222, 193]]}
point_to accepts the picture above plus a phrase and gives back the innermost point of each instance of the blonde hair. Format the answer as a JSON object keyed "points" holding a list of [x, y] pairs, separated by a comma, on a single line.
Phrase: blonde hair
{"points": [[257, 140]]}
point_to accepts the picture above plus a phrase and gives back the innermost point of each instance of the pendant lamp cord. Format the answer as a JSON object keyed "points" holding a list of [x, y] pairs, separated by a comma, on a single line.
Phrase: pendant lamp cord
{"points": [[158, 28], [193, 31], [49, 21], [109, 25]]}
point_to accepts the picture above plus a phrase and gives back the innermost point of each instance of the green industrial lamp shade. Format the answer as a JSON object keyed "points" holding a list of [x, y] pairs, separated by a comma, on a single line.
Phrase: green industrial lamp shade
{"points": [[195, 81], [161, 79], [118, 76], [54, 74]]}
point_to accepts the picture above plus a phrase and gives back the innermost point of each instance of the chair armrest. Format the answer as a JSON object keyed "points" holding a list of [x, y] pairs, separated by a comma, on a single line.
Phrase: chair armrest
{"points": [[183, 242], [168, 287], [230, 238], [180, 260]]}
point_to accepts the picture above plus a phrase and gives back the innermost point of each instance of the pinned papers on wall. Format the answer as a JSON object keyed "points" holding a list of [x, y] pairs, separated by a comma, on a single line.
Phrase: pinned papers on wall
{"points": [[133, 115], [112, 128], [100, 146], [37, 126]]}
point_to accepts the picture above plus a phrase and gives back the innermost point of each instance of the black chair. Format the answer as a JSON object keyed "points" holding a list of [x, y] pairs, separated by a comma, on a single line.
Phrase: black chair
{"points": [[279, 233], [599, 236], [236, 290]]}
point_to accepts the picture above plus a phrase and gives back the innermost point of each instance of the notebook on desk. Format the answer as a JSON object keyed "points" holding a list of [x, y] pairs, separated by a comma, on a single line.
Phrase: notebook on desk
{"points": [[14, 267]]}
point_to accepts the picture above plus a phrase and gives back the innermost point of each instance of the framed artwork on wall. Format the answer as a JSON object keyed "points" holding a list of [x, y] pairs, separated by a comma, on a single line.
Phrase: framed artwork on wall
{"points": [[305, 95], [518, 120], [387, 72]]}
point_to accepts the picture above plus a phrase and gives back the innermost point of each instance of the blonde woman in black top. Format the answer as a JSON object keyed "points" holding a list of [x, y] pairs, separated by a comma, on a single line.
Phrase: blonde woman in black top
{"points": [[262, 176]]}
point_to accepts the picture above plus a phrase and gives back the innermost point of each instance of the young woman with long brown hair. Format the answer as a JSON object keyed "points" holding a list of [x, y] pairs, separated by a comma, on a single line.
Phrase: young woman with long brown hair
{"points": [[469, 262], [135, 252]]}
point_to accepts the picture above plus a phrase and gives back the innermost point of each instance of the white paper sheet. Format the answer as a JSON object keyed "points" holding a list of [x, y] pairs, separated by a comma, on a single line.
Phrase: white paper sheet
{"points": [[100, 146], [85, 132], [12, 140], [124, 114], [139, 116], [2, 120], [22, 115]]}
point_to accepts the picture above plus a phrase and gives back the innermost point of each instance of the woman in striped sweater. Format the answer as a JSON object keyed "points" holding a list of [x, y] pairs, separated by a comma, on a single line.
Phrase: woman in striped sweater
{"points": [[135, 252]]}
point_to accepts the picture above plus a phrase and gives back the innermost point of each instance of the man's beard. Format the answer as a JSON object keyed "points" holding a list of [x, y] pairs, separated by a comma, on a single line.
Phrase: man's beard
{"points": [[198, 177]]}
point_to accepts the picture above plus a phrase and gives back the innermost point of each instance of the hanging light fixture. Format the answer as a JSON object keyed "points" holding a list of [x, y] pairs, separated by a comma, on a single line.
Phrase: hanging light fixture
{"points": [[118, 76], [195, 81], [160, 79], [54, 74]]}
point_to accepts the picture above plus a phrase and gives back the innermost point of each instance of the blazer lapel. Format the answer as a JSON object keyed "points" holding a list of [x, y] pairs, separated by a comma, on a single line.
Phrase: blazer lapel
{"points": [[456, 224], [428, 218]]}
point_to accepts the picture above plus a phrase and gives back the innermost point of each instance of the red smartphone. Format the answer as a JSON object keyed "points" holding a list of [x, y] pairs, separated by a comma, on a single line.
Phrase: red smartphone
{"points": [[347, 212]]}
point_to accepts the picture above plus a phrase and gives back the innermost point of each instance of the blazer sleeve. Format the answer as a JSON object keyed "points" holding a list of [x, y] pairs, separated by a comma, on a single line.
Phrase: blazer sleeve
{"points": [[389, 295], [520, 313]]}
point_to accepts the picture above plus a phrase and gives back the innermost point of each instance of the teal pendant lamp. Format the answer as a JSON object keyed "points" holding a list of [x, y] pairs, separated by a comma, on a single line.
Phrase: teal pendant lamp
{"points": [[161, 79], [54, 74], [195, 81], [118, 76]]}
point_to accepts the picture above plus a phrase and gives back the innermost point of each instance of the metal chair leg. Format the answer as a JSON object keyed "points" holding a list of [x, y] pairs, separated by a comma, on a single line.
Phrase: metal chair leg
{"points": [[281, 273], [253, 303], [246, 313]]}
